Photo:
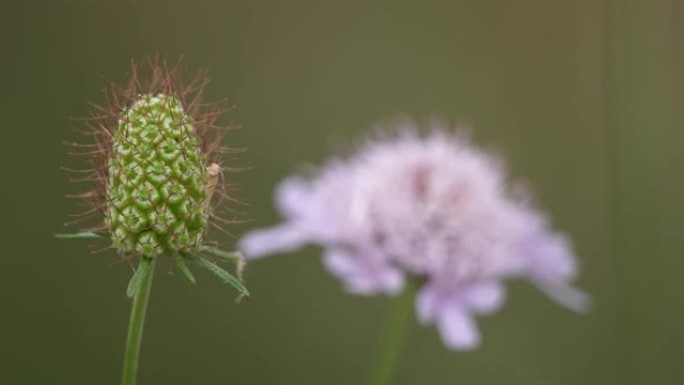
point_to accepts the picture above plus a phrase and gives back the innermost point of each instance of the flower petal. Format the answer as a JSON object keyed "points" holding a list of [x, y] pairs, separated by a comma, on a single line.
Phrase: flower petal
{"points": [[457, 328], [485, 297], [428, 302], [340, 263], [292, 196], [283, 238], [553, 259], [565, 294], [552, 266], [363, 274]]}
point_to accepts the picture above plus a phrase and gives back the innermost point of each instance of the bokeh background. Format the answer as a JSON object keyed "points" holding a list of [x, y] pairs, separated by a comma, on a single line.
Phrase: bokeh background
{"points": [[582, 97]]}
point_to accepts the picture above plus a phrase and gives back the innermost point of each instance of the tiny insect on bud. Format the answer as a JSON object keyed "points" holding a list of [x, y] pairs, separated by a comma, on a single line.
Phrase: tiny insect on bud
{"points": [[213, 173]]}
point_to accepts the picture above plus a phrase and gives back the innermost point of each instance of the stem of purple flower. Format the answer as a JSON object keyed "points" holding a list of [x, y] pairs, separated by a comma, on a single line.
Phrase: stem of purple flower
{"points": [[393, 334]]}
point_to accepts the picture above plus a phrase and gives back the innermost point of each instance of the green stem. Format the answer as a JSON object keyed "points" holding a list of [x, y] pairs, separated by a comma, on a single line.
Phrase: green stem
{"points": [[136, 322], [391, 340]]}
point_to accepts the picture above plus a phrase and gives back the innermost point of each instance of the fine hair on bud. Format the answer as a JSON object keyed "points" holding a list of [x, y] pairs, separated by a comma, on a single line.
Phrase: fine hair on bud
{"points": [[154, 163]]}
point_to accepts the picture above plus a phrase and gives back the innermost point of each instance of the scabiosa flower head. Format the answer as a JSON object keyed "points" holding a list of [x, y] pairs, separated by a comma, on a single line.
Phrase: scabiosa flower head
{"points": [[154, 163], [433, 208]]}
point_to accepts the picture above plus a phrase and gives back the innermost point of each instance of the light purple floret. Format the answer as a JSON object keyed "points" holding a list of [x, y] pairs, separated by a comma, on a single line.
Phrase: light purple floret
{"points": [[435, 208]]}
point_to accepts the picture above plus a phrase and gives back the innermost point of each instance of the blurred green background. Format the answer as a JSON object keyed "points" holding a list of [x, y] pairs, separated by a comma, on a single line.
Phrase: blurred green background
{"points": [[582, 97]]}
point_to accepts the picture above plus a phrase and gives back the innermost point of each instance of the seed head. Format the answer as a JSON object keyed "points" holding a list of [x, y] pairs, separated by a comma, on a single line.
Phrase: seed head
{"points": [[154, 163], [157, 180]]}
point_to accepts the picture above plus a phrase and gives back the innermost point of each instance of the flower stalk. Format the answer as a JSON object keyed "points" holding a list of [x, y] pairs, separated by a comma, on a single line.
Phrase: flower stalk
{"points": [[136, 323], [393, 335]]}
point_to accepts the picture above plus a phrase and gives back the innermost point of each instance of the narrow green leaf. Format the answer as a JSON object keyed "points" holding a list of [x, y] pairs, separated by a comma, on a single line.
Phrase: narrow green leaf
{"points": [[184, 268], [82, 235], [227, 256], [224, 255], [208, 244], [136, 279], [221, 274]]}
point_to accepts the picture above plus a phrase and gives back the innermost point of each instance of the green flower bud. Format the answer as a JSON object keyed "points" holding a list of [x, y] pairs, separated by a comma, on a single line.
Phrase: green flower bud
{"points": [[158, 182], [152, 160]]}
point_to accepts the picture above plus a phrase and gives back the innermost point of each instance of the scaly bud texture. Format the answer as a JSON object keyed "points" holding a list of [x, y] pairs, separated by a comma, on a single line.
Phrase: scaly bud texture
{"points": [[158, 186]]}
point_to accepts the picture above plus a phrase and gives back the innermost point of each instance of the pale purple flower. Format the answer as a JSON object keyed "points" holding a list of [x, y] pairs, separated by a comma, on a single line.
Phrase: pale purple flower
{"points": [[433, 207]]}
